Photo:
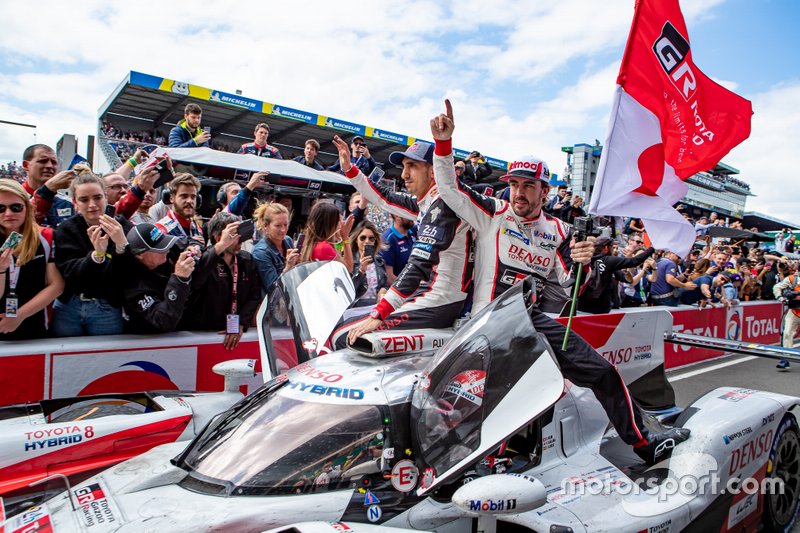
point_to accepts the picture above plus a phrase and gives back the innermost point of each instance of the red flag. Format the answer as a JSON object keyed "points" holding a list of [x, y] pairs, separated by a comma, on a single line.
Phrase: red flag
{"points": [[669, 122]]}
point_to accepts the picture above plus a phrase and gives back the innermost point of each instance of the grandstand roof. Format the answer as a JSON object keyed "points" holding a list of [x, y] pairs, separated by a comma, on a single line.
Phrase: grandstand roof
{"points": [[158, 101]]}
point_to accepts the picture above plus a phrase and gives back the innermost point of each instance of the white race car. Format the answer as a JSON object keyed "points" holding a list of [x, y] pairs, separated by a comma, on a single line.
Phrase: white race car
{"points": [[483, 433], [43, 442]]}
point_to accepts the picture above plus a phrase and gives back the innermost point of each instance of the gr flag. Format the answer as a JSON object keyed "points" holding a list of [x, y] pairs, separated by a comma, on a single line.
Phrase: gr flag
{"points": [[668, 122]]}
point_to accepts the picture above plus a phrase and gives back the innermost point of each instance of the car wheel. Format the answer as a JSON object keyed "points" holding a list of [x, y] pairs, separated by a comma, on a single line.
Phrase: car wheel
{"points": [[781, 507]]}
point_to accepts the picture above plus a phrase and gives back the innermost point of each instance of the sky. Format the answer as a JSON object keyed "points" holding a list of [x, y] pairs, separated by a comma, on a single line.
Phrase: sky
{"points": [[525, 77]]}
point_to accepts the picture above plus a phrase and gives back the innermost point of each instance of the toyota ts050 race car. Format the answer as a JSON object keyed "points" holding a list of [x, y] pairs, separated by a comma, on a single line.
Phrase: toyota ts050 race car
{"points": [[458, 431], [77, 437]]}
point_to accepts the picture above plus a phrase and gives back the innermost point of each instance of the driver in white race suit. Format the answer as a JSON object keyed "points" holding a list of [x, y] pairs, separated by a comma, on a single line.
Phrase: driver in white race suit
{"points": [[516, 239]]}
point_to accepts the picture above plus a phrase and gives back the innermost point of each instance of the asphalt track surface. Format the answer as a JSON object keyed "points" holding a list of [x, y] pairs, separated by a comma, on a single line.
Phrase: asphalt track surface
{"points": [[751, 372]]}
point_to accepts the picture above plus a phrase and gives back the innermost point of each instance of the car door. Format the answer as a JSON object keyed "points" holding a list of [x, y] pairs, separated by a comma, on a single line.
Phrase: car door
{"points": [[300, 313], [493, 377]]}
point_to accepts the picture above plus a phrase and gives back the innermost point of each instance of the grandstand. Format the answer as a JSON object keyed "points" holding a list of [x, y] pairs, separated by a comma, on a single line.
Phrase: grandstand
{"points": [[143, 108]]}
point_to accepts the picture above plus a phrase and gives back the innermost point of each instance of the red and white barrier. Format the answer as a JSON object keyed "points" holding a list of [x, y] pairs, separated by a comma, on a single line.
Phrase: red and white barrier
{"points": [[54, 368]]}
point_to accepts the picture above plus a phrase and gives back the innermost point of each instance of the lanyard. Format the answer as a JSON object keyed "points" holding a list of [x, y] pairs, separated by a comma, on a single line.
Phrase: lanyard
{"points": [[235, 283], [13, 275]]}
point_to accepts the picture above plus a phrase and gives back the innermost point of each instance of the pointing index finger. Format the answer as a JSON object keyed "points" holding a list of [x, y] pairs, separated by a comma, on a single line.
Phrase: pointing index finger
{"points": [[448, 107]]}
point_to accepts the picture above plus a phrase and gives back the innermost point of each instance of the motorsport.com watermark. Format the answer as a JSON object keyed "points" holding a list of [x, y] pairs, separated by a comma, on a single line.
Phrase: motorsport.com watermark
{"points": [[684, 485]]}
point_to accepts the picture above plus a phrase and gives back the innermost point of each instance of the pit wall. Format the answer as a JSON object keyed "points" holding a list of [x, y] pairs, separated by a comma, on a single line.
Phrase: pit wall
{"points": [[57, 368]]}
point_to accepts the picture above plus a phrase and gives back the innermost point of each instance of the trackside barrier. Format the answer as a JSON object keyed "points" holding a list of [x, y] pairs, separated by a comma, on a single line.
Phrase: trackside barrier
{"points": [[57, 368], [757, 322]]}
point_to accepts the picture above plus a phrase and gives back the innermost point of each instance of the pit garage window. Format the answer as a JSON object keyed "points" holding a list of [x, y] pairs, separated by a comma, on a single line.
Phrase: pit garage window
{"points": [[286, 446]]}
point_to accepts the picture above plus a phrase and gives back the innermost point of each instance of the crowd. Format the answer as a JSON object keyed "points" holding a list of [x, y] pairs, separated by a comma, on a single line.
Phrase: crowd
{"points": [[110, 257]]}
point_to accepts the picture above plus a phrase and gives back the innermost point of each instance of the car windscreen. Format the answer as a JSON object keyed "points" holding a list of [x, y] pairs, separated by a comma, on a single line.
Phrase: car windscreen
{"points": [[280, 445]]}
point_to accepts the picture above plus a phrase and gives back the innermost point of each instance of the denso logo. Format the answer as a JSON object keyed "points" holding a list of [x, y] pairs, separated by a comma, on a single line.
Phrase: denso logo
{"points": [[750, 452]]}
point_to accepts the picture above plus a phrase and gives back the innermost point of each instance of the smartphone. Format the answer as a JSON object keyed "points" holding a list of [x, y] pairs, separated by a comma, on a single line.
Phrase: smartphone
{"points": [[369, 250], [165, 172], [12, 241], [299, 243], [246, 230], [207, 129]]}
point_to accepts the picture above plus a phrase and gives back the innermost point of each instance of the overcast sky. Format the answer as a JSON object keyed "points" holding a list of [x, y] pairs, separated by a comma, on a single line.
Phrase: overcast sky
{"points": [[524, 76]]}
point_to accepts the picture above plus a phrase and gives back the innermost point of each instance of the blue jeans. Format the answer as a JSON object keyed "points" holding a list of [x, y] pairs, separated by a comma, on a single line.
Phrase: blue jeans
{"points": [[86, 317]]}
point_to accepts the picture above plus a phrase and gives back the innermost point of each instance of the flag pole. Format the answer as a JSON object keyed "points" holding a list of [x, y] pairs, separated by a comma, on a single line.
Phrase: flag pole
{"points": [[575, 291], [623, 68]]}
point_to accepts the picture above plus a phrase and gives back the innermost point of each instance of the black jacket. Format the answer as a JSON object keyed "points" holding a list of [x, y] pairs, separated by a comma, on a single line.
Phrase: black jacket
{"points": [[596, 298], [212, 289], [476, 174], [82, 275], [360, 280], [154, 300]]}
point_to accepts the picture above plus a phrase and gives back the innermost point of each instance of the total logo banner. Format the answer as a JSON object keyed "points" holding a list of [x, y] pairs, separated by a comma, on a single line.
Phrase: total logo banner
{"points": [[758, 322], [124, 371]]}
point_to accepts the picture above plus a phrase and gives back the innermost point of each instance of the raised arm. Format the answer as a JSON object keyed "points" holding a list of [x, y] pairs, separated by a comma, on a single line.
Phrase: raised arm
{"points": [[397, 203], [475, 208]]}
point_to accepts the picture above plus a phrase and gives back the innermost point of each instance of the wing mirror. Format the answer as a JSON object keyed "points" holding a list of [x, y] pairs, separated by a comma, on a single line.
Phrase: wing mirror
{"points": [[501, 494], [234, 371]]}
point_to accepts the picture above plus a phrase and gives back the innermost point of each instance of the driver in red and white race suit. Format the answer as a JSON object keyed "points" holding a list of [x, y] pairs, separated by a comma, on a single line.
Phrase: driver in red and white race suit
{"points": [[431, 289], [516, 239]]}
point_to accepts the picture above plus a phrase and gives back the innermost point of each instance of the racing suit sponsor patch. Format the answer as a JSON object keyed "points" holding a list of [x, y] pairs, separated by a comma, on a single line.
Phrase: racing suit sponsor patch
{"points": [[435, 232], [516, 235]]}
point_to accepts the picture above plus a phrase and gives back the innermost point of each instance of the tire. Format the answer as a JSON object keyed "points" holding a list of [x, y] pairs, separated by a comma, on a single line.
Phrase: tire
{"points": [[781, 510]]}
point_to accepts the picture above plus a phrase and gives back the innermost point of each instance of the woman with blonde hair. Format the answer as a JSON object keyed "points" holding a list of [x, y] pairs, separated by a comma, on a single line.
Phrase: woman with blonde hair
{"points": [[325, 229], [29, 279], [275, 253]]}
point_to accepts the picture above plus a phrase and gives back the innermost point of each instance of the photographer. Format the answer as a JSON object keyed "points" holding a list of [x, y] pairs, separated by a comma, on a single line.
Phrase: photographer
{"points": [[596, 298], [226, 288], [788, 291], [666, 280], [156, 288], [572, 210]]}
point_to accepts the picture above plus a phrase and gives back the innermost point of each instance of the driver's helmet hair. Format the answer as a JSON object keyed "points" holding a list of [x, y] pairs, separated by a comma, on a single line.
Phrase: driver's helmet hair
{"points": [[462, 396]]}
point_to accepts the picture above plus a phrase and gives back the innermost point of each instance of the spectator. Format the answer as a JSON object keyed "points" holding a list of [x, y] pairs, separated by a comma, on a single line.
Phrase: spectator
{"points": [[728, 292], [768, 275], [226, 288], [783, 240], [163, 206], [43, 183], [156, 289], [703, 293], [235, 198], [121, 198], [477, 170], [557, 202], [324, 227], [369, 273], [359, 157], [142, 214], [701, 226], [572, 211], [309, 157], [180, 218], [91, 255], [29, 280], [399, 239], [636, 288], [357, 206], [633, 226], [187, 133], [635, 241], [275, 253], [460, 167], [665, 280], [597, 297], [259, 145]]}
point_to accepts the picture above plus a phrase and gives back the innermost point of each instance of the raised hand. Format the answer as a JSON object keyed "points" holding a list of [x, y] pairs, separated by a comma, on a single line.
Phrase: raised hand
{"points": [[442, 126], [344, 153]]}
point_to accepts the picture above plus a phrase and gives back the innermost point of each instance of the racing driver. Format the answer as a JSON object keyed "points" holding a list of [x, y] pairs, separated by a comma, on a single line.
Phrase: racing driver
{"points": [[441, 253], [514, 239]]}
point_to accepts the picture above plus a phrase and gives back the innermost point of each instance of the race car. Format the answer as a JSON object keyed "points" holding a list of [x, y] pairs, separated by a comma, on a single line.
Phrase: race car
{"points": [[456, 431], [77, 437]]}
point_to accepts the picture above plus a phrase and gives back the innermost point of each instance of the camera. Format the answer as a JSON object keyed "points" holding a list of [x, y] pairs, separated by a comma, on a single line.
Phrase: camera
{"points": [[584, 227]]}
